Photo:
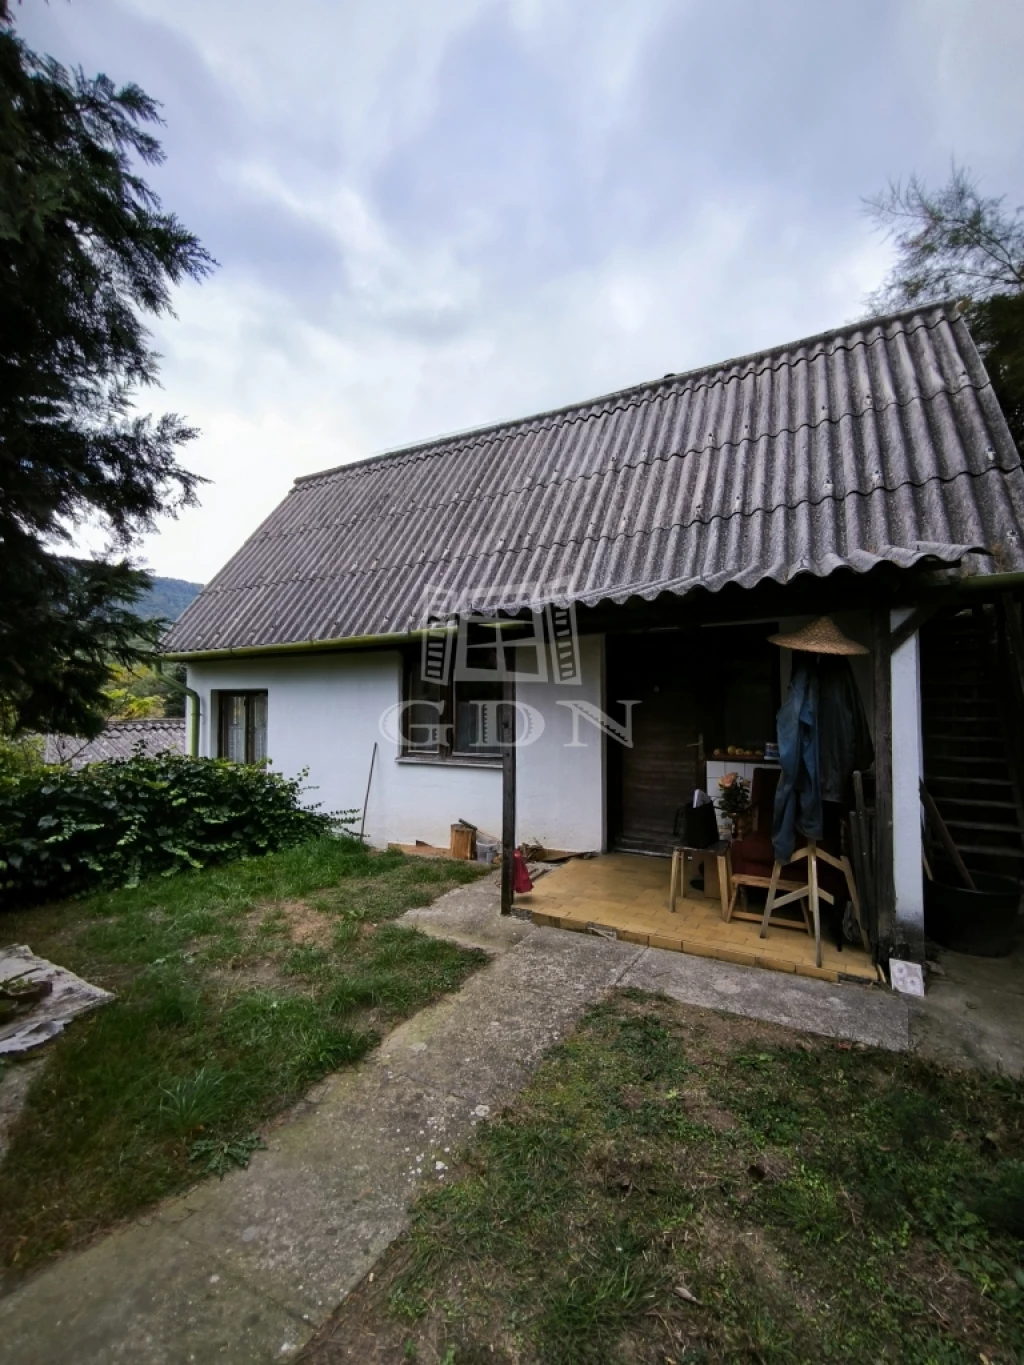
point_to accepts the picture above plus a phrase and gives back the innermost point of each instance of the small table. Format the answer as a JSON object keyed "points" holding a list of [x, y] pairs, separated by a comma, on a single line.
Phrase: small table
{"points": [[683, 854]]}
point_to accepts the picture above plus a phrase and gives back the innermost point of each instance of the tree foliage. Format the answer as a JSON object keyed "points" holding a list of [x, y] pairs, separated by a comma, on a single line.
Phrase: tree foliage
{"points": [[86, 253], [145, 692], [956, 243]]}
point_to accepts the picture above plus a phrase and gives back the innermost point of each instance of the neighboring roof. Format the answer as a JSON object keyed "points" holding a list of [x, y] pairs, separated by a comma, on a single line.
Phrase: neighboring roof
{"points": [[880, 441], [120, 739]]}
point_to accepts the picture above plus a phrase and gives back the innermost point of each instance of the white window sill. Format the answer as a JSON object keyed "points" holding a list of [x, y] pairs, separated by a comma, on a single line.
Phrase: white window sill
{"points": [[459, 761]]}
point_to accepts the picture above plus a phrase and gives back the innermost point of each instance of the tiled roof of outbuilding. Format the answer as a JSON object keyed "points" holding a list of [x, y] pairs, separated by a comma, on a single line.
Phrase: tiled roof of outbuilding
{"points": [[119, 739], [880, 441]]}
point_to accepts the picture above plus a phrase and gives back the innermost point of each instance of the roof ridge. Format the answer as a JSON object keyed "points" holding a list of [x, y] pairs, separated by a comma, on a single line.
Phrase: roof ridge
{"points": [[645, 391]]}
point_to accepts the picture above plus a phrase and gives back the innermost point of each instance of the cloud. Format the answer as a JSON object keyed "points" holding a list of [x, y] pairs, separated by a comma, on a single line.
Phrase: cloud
{"points": [[434, 216]]}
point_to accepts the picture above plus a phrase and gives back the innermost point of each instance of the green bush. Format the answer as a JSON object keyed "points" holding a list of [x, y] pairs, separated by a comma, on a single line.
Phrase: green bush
{"points": [[110, 824]]}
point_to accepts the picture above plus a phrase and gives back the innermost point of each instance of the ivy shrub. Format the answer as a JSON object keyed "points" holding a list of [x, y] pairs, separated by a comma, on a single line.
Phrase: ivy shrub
{"points": [[65, 831]]}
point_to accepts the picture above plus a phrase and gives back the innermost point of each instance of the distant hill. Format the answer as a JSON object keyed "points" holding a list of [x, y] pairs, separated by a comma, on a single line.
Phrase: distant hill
{"points": [[168, 598]]}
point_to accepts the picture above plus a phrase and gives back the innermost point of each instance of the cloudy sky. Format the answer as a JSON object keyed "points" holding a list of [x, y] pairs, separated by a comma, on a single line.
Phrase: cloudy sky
{"points": [[434, 215]]}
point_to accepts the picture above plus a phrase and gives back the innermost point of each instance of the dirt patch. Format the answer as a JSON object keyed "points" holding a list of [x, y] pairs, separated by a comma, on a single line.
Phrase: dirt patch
{"points": [[703, 1109], [247, 975], [304, 924]]}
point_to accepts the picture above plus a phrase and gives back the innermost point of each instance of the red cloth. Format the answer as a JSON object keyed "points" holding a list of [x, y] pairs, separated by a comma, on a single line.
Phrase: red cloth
{"points": [[754, 854], [520, 874]]}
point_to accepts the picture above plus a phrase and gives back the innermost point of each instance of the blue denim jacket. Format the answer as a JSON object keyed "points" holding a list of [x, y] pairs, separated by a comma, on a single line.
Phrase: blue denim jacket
{"points": [[798, 795], [823, 736]]}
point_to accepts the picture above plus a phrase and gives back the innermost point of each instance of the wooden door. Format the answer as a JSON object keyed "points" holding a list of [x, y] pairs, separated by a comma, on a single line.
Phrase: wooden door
{"points": [[650, 781]]}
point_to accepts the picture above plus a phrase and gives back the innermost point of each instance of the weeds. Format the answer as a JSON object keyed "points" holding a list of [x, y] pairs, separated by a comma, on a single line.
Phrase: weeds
{"points": [[217, 1157], [675, 1186]]}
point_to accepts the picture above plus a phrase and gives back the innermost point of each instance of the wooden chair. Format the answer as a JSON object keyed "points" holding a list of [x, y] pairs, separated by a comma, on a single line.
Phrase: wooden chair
{"points": [[811, 894], [749, 860], [733, 907]]}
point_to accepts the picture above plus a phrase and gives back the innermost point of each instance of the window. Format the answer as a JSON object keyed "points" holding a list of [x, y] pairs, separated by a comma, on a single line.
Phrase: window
{"points": [[243, 726], [450, 720], [459, 719]]}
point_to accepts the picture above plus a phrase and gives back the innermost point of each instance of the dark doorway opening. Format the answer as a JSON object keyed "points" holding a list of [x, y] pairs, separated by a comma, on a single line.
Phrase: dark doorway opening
{"points": [[696, 691]]}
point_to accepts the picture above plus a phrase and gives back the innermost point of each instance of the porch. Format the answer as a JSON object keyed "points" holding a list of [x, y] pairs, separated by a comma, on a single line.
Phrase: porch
{"points": [[626, 895]]}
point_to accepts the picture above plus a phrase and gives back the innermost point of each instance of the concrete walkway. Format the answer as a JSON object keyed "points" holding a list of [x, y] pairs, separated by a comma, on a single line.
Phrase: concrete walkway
{"points": [[244, 1270], [973, 1014]]}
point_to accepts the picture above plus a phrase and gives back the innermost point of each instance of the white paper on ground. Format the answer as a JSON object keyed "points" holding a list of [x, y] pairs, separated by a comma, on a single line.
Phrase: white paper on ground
{"points": [[70, 997], [907, 977]]}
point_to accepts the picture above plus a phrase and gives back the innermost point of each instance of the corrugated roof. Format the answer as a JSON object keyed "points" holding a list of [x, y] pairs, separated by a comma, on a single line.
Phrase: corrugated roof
{"points": [[119, 739], [880, 441]]}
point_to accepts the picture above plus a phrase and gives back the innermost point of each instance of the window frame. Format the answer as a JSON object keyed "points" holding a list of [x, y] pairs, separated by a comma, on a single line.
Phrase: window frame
{"points": [[248, 695], [446, 720]]}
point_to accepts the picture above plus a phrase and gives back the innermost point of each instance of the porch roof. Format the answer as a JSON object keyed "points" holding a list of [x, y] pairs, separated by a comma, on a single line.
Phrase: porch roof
{"points": [[879, 442]]}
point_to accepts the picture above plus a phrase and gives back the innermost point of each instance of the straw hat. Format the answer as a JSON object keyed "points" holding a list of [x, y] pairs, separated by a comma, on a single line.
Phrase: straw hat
{"points": [[822, 636]]}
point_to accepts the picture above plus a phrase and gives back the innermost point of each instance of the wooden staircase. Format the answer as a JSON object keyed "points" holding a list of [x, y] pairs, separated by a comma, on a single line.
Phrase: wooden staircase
{"points": [[971, 735]]}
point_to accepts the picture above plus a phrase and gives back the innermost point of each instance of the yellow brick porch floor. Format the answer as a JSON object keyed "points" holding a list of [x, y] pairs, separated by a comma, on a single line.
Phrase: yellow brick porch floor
{"points": [[628, 893]]}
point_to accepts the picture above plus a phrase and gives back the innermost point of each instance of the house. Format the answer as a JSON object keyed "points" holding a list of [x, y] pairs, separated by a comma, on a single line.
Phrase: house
{"points": [[118, 739], [631, 554]]}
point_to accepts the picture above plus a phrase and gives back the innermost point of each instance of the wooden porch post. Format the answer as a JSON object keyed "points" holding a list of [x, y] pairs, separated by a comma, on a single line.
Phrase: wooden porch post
{"points": [[884, 888], [507, 730]]}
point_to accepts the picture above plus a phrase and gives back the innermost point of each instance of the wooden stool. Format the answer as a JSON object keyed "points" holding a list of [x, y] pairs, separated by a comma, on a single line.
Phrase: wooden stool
{"points": [[681, 854], [811, 894]]}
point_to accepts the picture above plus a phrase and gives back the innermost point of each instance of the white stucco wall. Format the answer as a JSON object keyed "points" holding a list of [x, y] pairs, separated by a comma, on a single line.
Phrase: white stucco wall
{"points": [[907, 769], [560, 785], [323, 713]]}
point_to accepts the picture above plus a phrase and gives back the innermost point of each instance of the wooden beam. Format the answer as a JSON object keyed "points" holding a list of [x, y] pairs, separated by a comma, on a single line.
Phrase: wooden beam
{"points": [[910, 626], [507, 731], [885, 894], [945, 838], [1010, 613]]}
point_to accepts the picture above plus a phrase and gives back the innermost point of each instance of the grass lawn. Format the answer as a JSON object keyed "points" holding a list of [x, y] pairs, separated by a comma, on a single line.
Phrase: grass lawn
{"points": [[678, 1187], [238, 987]]}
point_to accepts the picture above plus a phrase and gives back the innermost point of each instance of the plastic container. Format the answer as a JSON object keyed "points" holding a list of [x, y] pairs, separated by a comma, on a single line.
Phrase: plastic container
{"points": [[981, 922], [486, 851]]}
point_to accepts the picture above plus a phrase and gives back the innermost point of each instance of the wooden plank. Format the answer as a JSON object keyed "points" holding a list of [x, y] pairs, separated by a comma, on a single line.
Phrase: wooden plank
{"points": [[939, 826], [1010, 613], [507, 731], [463, 841], [422, 850]]}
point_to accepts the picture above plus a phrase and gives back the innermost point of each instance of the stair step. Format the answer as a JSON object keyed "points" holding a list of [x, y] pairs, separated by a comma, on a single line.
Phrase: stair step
{"points": [[972, 781], [945, 800], [963, 739], [995, 850], [956, 694], [979, 824], [949, 689], [969, 758], [976, 699], [961, 719]]}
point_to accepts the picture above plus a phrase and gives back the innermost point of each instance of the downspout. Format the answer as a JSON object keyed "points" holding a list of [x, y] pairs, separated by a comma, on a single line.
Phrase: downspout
{"points": [[991, 582], [193, 721], [194, 715]]}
